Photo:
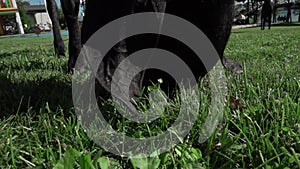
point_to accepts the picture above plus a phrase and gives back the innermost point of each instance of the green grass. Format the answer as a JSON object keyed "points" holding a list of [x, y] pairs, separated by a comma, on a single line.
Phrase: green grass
{"points": [[38, 128]]}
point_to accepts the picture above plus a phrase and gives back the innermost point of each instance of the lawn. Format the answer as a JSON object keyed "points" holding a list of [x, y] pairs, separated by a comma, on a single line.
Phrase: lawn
{"points": [[39, 129]]}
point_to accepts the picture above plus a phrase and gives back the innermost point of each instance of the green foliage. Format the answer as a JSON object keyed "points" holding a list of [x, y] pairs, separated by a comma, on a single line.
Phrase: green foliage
{"points": [[22, 4], [60, 13], [108, 163], [145, 163], [68, 161]]}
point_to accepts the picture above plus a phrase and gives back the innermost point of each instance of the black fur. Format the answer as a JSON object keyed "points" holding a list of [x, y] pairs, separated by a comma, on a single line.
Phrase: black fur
{"points": [[213, 17]]}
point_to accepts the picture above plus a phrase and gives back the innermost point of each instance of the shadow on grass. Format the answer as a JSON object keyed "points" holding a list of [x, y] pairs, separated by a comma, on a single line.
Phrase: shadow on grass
{"points": [[10, 54], [20, 98]]}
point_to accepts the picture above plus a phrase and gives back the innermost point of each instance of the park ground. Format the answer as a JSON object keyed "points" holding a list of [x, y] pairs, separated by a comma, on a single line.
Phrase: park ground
{"points": [[260, 128]]}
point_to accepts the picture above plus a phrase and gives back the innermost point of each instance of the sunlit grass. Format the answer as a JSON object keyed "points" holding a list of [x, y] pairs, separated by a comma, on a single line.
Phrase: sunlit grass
{"points": [[38, 126]]}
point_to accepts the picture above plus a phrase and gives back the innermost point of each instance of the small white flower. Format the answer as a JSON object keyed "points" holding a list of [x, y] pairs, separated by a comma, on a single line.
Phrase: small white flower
{"points": [[160, 80]]}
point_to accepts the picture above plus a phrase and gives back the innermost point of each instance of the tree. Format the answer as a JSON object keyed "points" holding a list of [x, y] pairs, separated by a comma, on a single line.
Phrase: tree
{"points": [[252, 8], [26, 20], [297, 3], [275, 11], [60, 13]]}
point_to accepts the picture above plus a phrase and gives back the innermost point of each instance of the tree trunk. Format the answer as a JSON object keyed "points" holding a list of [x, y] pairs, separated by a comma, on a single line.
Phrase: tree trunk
{"points": [[71, 9], [274, 15], [275, 11], [289, 14], [59, 45], [248, 11], [256, 13]]}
